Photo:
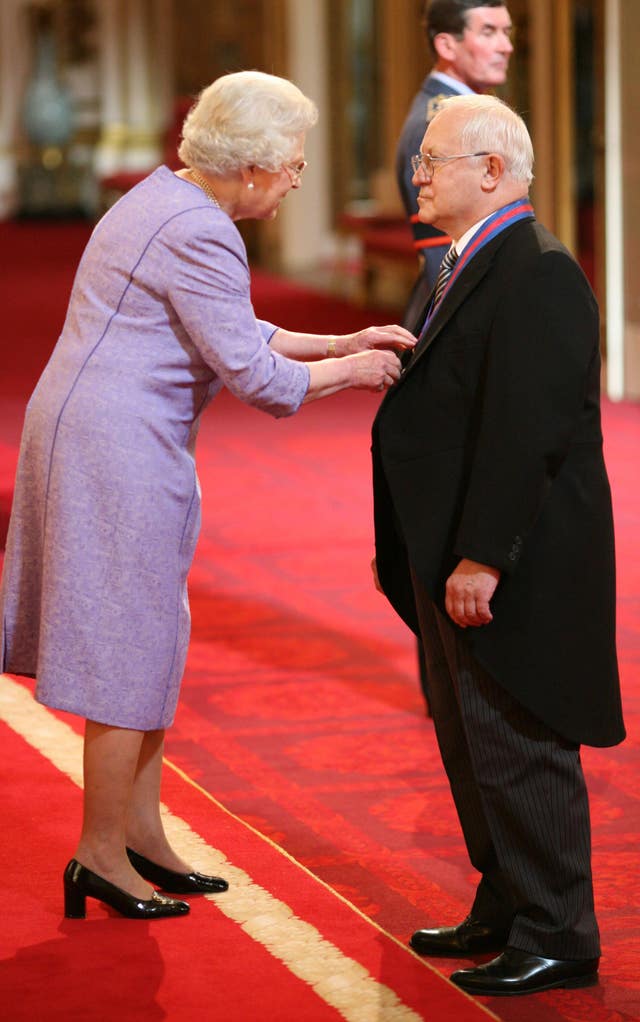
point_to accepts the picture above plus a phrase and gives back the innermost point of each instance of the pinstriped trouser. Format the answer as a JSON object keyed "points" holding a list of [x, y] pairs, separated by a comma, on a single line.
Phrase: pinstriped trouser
{"points": [[521, 799]]}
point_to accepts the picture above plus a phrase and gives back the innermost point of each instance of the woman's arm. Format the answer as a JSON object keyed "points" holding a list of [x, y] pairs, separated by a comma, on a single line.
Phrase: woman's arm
{"points": [[367, 370], [308, 347]]}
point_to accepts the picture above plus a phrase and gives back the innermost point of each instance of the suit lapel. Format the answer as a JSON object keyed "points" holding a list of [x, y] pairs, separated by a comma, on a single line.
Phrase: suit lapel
{"points": [[461, 288]]}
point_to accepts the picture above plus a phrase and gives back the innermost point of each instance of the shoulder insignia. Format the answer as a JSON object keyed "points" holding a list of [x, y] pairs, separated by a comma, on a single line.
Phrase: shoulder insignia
{"points": [[434, 105]]}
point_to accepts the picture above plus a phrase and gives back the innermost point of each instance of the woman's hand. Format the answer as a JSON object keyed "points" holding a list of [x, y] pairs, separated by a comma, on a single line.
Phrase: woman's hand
{"points": [[393, 338], [373, 370], [307, 347], [368, 370]]}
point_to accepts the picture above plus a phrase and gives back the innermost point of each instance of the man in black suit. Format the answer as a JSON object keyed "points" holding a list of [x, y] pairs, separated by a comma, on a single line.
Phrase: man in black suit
{"points": [[470, 44], [494, 542]]}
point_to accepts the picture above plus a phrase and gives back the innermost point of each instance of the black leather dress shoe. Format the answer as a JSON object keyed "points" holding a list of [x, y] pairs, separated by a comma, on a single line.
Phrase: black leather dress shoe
{"points": [[470, 937], [518, 972], [81, 883], [175, 883]]}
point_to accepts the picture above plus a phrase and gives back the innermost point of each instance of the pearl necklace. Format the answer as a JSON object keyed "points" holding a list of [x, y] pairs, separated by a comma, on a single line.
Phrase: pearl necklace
{"points": [[200, 181]]}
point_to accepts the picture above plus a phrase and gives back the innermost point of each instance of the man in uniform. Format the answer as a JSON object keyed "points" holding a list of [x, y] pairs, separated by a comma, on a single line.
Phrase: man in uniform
{"points": [[471, 47]]}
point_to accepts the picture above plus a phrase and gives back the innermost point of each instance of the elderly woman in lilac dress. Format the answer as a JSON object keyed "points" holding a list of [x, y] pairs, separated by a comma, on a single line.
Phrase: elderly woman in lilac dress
{"points": [[107, 508]]}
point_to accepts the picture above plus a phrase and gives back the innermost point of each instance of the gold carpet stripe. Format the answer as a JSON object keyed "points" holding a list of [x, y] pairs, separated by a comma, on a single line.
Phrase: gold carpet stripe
{"points": [[341, 982], [316, 879], [287, 855]]}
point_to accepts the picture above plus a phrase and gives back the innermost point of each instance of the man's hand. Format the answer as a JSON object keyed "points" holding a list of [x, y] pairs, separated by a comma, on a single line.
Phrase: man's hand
{"points": [[468, 592]]}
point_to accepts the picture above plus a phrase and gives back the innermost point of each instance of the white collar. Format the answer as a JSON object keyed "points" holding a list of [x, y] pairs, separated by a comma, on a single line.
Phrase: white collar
{"points": [[462, 242], [453, 83]]}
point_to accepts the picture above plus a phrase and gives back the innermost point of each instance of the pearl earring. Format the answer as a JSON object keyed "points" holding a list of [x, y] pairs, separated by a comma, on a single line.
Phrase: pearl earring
{"points": [[251, 185]]}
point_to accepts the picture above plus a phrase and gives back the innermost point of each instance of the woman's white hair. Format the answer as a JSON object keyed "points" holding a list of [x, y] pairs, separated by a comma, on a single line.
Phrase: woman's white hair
{"points": [[245, 119], [491, 126]]}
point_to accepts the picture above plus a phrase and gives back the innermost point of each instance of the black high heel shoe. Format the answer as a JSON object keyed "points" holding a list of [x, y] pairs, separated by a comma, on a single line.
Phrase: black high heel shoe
{"points": [[80, 883], [175, 883]]}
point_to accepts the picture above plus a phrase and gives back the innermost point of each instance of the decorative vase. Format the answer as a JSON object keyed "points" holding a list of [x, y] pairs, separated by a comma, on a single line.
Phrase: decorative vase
{"points": [[47, 114]]}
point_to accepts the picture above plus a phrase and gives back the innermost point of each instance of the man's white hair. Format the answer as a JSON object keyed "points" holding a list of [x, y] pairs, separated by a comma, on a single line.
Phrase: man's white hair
{"points": [[491, 126]]}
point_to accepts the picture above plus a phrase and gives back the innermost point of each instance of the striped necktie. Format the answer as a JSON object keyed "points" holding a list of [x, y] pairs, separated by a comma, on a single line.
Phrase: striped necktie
{"points": [[445, 271]]}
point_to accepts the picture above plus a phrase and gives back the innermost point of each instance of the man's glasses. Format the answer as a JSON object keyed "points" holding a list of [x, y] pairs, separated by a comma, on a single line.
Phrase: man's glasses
{"points": [[429, 163]]}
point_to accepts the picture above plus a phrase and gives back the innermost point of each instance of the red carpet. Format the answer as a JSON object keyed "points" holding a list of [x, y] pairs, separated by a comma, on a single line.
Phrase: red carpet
{"points": [[105, 967], [301, 714]]}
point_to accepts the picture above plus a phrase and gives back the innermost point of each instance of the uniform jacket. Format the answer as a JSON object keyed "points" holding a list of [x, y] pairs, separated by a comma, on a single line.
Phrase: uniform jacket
{"points": [[489, 447], [423, 109], [430, 243]]}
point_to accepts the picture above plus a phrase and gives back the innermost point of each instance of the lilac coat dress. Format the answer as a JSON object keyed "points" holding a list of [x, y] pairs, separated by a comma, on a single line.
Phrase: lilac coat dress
{"points": [[106, 510]]}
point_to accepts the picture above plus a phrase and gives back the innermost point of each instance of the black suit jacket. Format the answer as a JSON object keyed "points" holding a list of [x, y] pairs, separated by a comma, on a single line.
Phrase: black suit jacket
{"points": [[490, 447]]}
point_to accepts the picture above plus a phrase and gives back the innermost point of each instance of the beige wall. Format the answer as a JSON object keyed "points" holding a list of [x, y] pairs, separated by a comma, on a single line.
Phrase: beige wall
{"points": [[630, 90]]}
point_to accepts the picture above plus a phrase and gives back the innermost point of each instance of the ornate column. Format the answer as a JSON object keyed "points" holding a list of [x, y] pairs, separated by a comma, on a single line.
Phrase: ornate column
{"points": [[113, 132], [305, 215], [541, 75], [14, 55], [162, 65], [564, 96], [614, 220], [143, 143], [622, 178], [136, 84]]}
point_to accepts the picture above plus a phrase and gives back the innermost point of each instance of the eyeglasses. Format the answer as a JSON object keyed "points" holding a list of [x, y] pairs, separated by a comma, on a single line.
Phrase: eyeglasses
{"points": [[295, 170], [428, 163]]}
